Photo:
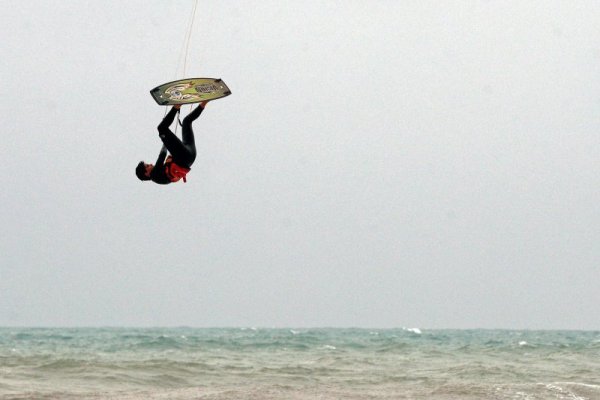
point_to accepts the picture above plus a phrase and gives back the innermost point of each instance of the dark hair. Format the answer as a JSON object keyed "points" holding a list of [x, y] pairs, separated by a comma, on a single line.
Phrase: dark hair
{"points": [[140, 172]]}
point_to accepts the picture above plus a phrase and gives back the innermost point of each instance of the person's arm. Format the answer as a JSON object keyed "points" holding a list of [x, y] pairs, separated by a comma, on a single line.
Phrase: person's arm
{"points": [[158, 171], [161, 158]]}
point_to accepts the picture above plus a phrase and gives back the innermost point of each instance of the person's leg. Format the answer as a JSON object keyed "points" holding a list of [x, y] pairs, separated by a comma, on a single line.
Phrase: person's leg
{"points": [[171, 141], [187, 135], [173, 144], [168, 119]]}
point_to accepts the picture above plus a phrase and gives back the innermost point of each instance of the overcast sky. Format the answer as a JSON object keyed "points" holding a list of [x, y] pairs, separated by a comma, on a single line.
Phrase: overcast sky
{"points": [[379, 164]]}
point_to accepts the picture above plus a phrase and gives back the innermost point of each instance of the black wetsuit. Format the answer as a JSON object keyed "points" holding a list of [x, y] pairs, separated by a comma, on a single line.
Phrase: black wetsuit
{"points": [[182, 151]]}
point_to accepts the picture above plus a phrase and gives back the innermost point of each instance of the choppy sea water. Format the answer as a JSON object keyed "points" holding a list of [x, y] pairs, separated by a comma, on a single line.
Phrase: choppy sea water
{"points": [[249, 363]]}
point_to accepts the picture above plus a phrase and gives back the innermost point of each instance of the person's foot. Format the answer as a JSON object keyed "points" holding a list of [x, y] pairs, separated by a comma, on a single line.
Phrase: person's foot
{"points": [[177, 106], [204, 103]]}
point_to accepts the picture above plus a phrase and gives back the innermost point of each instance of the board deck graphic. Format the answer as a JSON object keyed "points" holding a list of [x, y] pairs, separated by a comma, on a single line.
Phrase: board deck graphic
{"points": [[188, 91]]}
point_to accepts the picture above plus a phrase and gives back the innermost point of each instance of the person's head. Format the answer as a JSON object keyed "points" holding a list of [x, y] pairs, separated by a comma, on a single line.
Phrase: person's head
{"points": [[142, 171]]}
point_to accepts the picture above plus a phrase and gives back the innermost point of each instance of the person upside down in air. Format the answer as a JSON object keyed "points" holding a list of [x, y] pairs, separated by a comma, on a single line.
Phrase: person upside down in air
{"points": [[174, 167]]}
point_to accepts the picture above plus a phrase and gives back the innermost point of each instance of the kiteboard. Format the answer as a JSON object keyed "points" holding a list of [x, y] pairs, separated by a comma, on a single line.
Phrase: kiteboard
{"points": [[188, 91]]}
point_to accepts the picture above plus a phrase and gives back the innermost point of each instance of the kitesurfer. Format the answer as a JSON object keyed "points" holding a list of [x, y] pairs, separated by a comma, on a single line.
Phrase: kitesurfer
{"points": [[174, 167]]}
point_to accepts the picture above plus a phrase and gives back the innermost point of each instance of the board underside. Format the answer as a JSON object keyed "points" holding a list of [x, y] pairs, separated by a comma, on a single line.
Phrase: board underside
{"points": [[188, 91]]}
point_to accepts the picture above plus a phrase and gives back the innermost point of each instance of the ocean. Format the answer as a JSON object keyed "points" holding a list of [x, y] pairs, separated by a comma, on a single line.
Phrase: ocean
{"points": [[262, 364]]}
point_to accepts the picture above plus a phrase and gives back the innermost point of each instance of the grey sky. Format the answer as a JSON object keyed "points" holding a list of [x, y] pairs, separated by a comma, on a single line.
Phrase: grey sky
{"points": [[379, 164]]}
